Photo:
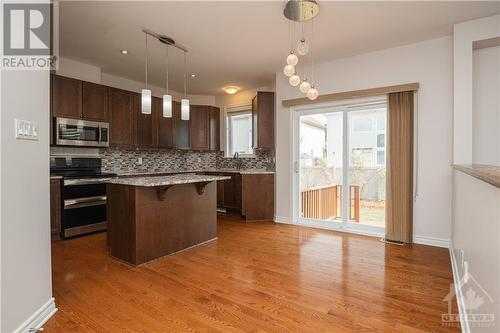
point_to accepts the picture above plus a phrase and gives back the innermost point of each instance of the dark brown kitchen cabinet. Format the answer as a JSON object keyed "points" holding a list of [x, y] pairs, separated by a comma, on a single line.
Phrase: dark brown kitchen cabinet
{"points": [[66, 97], [55, 208], [121, 117], [263, 120], [200, 122], [94, 101], [181, 128], [232, 191], [165, 138], [214, 128], [145, 123]]}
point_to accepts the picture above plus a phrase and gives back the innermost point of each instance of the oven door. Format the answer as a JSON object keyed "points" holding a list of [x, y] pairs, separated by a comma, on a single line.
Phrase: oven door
{"points": [[74, 132]]}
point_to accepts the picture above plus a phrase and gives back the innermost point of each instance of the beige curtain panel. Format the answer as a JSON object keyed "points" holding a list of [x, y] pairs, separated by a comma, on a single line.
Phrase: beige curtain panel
{"points": [[399, 186]]}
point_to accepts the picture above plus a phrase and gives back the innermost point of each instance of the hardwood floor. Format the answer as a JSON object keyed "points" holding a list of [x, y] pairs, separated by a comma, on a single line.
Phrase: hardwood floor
{"points": [[257, 277]]}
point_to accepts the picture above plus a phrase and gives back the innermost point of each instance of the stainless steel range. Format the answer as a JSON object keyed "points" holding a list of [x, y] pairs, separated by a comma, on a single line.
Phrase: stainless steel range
{"points": [[83, 194]]}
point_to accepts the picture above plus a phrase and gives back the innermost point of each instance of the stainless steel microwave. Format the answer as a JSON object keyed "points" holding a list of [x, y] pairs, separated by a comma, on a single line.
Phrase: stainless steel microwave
{"points": [[75, 132]]}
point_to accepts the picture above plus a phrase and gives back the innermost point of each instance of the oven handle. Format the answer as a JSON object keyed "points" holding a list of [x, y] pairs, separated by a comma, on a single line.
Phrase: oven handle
{"points": [[85, 202], [69, 182]]}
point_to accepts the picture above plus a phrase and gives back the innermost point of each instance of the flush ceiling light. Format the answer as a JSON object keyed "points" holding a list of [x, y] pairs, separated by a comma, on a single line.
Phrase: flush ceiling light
{"points": [[193, 75], [231, 90], [123, 51]]}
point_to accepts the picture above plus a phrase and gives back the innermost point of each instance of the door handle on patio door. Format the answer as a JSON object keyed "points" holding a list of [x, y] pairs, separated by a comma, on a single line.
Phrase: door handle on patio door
{"points": [[296, 167]]}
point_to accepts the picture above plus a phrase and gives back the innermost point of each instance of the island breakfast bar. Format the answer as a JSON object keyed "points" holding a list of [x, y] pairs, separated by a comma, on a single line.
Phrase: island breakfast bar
{"points": [[151, 217]]}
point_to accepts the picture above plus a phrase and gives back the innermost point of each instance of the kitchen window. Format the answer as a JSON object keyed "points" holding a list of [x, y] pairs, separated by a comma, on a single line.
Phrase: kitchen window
{"points": [[239, 132]]}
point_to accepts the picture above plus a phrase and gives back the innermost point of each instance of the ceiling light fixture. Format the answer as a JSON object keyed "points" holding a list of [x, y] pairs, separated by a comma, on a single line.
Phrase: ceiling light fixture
{"points": [[231, 89], [185, 100], [193, 75], [300, 11], [167, 98], [146, 93], [123, 51]]}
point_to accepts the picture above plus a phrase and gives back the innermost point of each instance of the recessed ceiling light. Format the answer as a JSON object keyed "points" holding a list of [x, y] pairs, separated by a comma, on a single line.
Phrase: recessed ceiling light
{"points": [[123, 51], [193, 75], [231, 89]]}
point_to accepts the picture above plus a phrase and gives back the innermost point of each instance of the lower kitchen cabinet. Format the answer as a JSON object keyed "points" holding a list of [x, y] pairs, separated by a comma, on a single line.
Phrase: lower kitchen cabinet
{"points": [[55, 208]]}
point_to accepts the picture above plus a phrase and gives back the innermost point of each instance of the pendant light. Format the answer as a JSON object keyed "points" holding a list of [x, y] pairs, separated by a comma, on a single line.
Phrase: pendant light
{"points": [[185, 101], [146, 93], [312, 93], [167, 98]]}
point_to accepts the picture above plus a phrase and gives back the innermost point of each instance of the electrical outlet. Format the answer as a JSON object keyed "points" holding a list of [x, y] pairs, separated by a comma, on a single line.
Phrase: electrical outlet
{"points": [[139, 161], [26, 130], [466, 272], [199, 159], [462, 257]]}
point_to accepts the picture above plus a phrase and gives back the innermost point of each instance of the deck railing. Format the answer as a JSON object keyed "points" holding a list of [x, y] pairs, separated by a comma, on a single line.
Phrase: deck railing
{"points": [[325, 203]]}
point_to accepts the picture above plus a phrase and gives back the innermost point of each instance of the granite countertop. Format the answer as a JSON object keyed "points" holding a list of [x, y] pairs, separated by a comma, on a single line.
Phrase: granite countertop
{"points": [[487, 173], [242, 172], [152, 181]]}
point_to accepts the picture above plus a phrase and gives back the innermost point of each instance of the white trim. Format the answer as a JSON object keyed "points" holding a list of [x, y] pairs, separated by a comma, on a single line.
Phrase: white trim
{"points": [[464, 324], [39, 318], [281, 219], [432, 241]]}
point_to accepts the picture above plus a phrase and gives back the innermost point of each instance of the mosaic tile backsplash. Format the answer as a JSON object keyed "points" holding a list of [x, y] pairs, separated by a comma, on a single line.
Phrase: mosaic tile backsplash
{"points": [[123, 160]]}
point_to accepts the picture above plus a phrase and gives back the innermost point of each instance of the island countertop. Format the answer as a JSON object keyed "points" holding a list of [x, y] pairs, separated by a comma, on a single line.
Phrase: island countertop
{"points": [[154, 181]]}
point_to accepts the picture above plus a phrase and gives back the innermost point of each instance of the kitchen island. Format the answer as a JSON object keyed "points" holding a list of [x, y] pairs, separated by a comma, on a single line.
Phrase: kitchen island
{"points": [[151, 217]]}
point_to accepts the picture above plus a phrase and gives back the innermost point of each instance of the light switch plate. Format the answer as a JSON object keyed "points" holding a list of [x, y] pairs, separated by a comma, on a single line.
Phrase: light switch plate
{"points": [[26, 130]]}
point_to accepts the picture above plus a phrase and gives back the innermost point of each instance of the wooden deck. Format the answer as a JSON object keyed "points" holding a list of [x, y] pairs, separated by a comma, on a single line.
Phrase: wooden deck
{"points": [[257, 277]]}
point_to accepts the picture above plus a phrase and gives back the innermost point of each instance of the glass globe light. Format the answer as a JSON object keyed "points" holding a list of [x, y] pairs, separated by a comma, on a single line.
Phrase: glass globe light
{"points": [[294, 80], [303, 47], [289, 70], [305, 86], [312, 94], [292, 59]]}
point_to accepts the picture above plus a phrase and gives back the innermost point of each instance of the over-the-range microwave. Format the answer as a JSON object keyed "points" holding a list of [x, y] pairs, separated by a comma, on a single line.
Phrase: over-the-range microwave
{"points": [[75, 132]]}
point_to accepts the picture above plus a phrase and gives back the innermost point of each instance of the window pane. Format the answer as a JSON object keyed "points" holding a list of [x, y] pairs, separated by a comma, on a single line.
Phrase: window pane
{"points": [[240, 133], [381, 140], [362, 124]]}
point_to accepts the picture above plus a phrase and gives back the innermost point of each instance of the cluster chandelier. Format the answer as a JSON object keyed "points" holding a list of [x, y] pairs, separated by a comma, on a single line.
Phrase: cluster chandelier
{"points": [[167, 98], [300, 11]]}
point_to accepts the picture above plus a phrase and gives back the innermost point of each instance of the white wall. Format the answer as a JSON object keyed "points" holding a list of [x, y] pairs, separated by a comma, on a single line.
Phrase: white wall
{"points": [[86, 72], [430, 64], [25, 228], [476, 231], [464, 34], [486, 106]]}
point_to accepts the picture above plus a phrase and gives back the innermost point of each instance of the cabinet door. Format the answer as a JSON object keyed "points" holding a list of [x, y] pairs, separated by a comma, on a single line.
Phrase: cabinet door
{"points": [[220, 193], [94, 101], [181, 128], [66, 97], [145, 123], [55, 206], [165, 138], [263, 120], [232, 192], [214, 128], [121, 116], [199, 121]]}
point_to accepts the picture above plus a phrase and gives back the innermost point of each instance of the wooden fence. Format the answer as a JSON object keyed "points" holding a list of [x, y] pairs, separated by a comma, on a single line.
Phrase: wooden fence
{"points": [[325, 203]]}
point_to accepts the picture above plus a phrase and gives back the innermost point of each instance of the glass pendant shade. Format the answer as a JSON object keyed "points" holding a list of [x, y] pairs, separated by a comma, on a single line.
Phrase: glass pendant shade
{"points": [[312, 94], [146, 101], [303, 48], [304, 86], [184, 109], [289, 70], [294, 80], [167, 106], [292, 59]]}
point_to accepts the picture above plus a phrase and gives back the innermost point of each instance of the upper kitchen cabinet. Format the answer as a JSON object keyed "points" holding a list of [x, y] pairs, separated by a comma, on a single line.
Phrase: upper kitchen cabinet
{"points": [[200, 127], [263, 120], [121, 104], [94, 101], [66, 97], [145, 123], [214, 128], [165, 135], [181, 128]]}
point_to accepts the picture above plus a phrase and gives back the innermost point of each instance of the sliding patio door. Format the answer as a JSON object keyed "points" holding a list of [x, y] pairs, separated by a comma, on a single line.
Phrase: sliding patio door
{"points": [[340, 167]]}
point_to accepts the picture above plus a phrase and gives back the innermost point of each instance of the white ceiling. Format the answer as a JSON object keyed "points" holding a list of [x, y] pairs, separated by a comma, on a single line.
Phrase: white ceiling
{"points": [[242, 43]]}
